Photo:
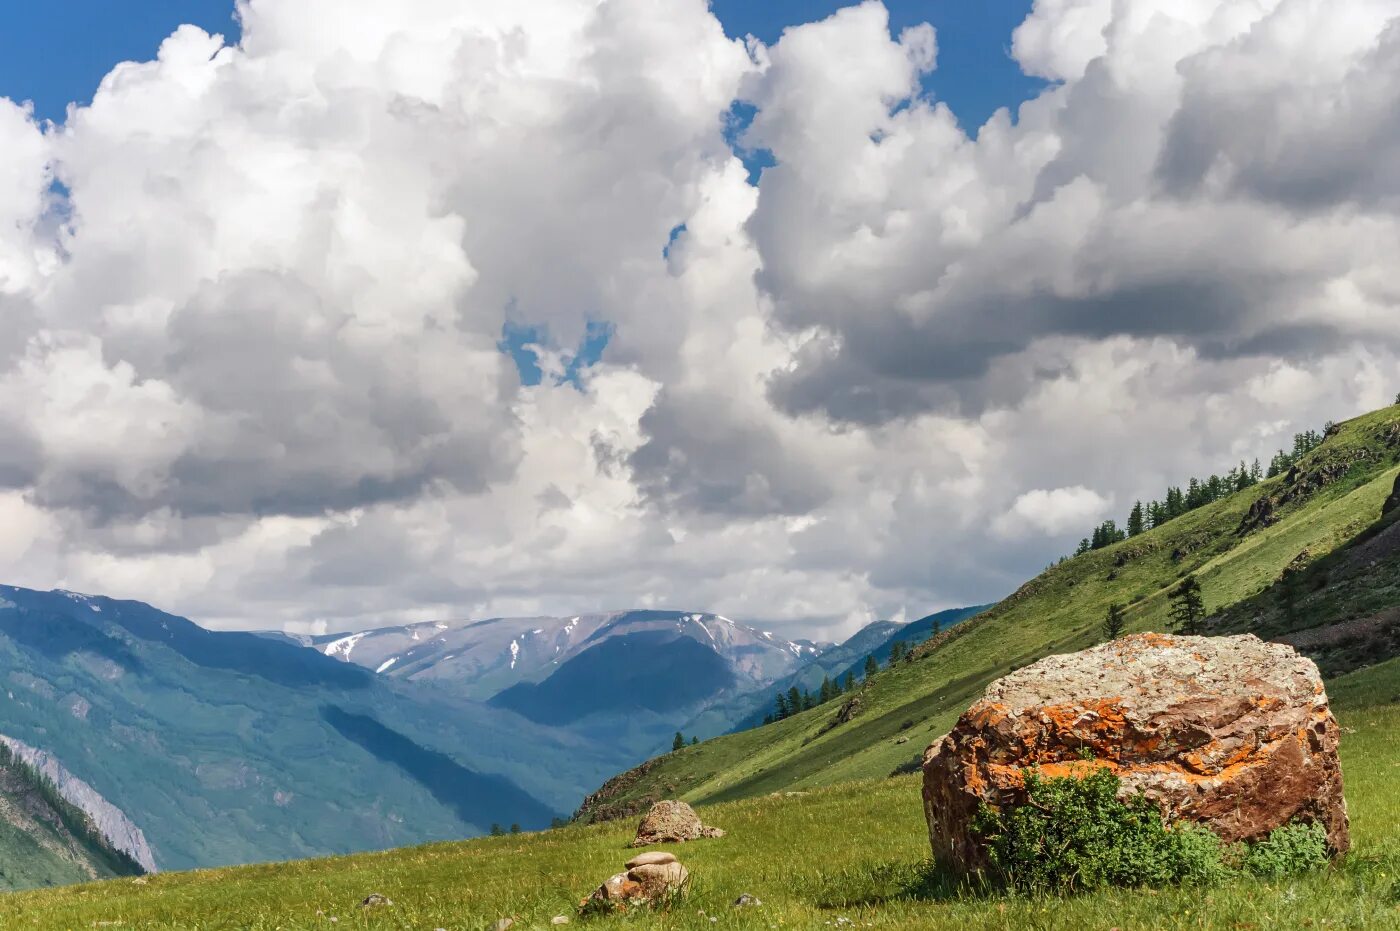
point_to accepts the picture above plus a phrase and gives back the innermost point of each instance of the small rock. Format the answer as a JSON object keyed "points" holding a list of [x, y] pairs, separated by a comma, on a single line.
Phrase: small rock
{"points": [[746, 901], [902, 740], [559, 920], [503, 924], [375, 900], [659, 879], [651, 858], [644, 884], [670, 822]]}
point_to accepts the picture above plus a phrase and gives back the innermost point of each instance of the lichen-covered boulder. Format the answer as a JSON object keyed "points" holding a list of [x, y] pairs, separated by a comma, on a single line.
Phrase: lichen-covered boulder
{"points": [[1229, 732], [671, 822]]}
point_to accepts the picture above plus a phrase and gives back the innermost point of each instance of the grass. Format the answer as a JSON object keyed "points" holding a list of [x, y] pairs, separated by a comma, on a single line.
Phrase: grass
{"points": [[855, 851]]}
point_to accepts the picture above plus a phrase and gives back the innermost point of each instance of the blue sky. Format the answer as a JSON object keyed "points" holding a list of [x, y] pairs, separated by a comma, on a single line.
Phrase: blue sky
{"points": [[56, 52]]}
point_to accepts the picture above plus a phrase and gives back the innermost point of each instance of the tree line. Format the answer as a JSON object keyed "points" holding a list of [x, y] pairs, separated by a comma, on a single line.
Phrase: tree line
{"points": [[1198, 493], [795, 700]]}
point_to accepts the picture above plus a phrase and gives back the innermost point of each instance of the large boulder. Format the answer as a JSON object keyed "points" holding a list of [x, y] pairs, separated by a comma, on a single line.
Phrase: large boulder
{"points": [[672, 822], [1230, 732], [1393, 502]]}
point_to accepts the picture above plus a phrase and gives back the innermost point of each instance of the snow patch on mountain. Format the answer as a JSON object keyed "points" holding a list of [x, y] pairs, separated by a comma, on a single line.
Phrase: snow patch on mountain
{"points": [[342, 648]]}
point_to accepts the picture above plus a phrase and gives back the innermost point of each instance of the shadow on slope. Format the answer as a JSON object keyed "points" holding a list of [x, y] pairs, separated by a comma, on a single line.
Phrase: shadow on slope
{"points": [[478, 799], [655, 670]]}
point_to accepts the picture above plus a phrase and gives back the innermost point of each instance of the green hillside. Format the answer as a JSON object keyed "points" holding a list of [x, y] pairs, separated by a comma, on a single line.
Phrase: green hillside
{"points": [[1244, 549], [852, 855], [44, 841]]}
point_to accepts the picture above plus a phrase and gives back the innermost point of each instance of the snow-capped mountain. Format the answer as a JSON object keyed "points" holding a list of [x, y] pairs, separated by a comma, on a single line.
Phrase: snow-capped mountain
{"points": [[479, 659]]}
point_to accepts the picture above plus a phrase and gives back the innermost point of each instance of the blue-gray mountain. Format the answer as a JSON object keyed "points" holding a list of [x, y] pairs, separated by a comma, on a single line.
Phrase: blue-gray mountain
{"points": [[229, 747], [748, 709], [626, 678]]}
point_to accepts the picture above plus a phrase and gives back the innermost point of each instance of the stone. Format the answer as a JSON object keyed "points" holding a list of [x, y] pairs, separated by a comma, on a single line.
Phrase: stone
{"points": [[659, 880], [645, 884], [1393, 502], [651, 857], [670, 822], [559, 920], [375, 900], [502, 924], [1229, 732], [747, 901]]}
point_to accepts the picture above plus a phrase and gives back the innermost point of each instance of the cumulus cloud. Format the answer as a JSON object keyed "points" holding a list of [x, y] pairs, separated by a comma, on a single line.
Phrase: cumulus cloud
{"points": [[251, 365], [1052, 512]]}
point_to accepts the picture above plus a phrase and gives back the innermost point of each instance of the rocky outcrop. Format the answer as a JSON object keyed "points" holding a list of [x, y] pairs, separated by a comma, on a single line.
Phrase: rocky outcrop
{"points": [[671, 822], [1392, 503], [1229, 732], [109, 820]]}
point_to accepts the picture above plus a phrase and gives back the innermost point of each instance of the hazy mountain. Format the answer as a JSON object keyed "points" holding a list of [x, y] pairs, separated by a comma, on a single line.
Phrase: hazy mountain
{"points": [[749, 708], [480, 659], [230, 747]]}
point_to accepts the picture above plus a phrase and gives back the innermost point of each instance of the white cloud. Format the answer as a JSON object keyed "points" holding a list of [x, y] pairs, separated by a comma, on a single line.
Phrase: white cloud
{"points": [[250, 368], [1053, 512]]}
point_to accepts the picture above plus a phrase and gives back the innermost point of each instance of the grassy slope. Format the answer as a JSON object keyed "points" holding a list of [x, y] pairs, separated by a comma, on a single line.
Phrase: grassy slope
{"points": [[1057, 612], [854, 851]]}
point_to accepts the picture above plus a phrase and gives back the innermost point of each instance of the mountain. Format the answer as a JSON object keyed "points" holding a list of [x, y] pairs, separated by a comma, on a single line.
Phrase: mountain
{"points": [[1310, 556], [630, 678], [46, 840], [875, 639], [223, 748], [480, 659]]}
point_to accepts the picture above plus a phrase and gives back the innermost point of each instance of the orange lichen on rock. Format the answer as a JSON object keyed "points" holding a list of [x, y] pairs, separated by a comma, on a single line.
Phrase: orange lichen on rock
{"points": [[1231, 732]]}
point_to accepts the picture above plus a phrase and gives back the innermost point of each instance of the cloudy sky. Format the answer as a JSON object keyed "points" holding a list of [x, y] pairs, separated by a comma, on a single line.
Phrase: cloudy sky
{"points": [[360, 312]]}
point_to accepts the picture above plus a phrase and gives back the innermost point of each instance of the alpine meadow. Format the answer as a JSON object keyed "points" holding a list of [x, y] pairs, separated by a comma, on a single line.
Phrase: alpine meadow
{"points": [[679, 464]]}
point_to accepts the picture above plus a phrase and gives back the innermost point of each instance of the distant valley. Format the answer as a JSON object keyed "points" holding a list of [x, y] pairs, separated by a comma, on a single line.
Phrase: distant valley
{"points": [[188, 747]]}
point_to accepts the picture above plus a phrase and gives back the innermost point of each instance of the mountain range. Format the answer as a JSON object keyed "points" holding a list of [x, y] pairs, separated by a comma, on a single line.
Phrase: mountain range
{"points": [[184, 747]]}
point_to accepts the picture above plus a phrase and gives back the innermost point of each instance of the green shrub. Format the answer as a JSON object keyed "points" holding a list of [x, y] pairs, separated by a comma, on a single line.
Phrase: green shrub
{"points": [[1075, 834], [1288, 851]]}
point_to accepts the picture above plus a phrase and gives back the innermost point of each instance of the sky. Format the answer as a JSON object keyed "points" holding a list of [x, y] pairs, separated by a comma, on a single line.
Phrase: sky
{"points": [[374, 313], [44, 59]]}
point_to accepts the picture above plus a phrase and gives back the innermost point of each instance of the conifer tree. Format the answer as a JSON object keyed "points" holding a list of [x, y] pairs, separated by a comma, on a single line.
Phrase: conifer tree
{"points": [[678, 743], [1188, 607], [1137, 521], [782, 704], [795, 701], [871, 666], [694, 741], [1115, 622], [896, 651], [850, 681]]}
